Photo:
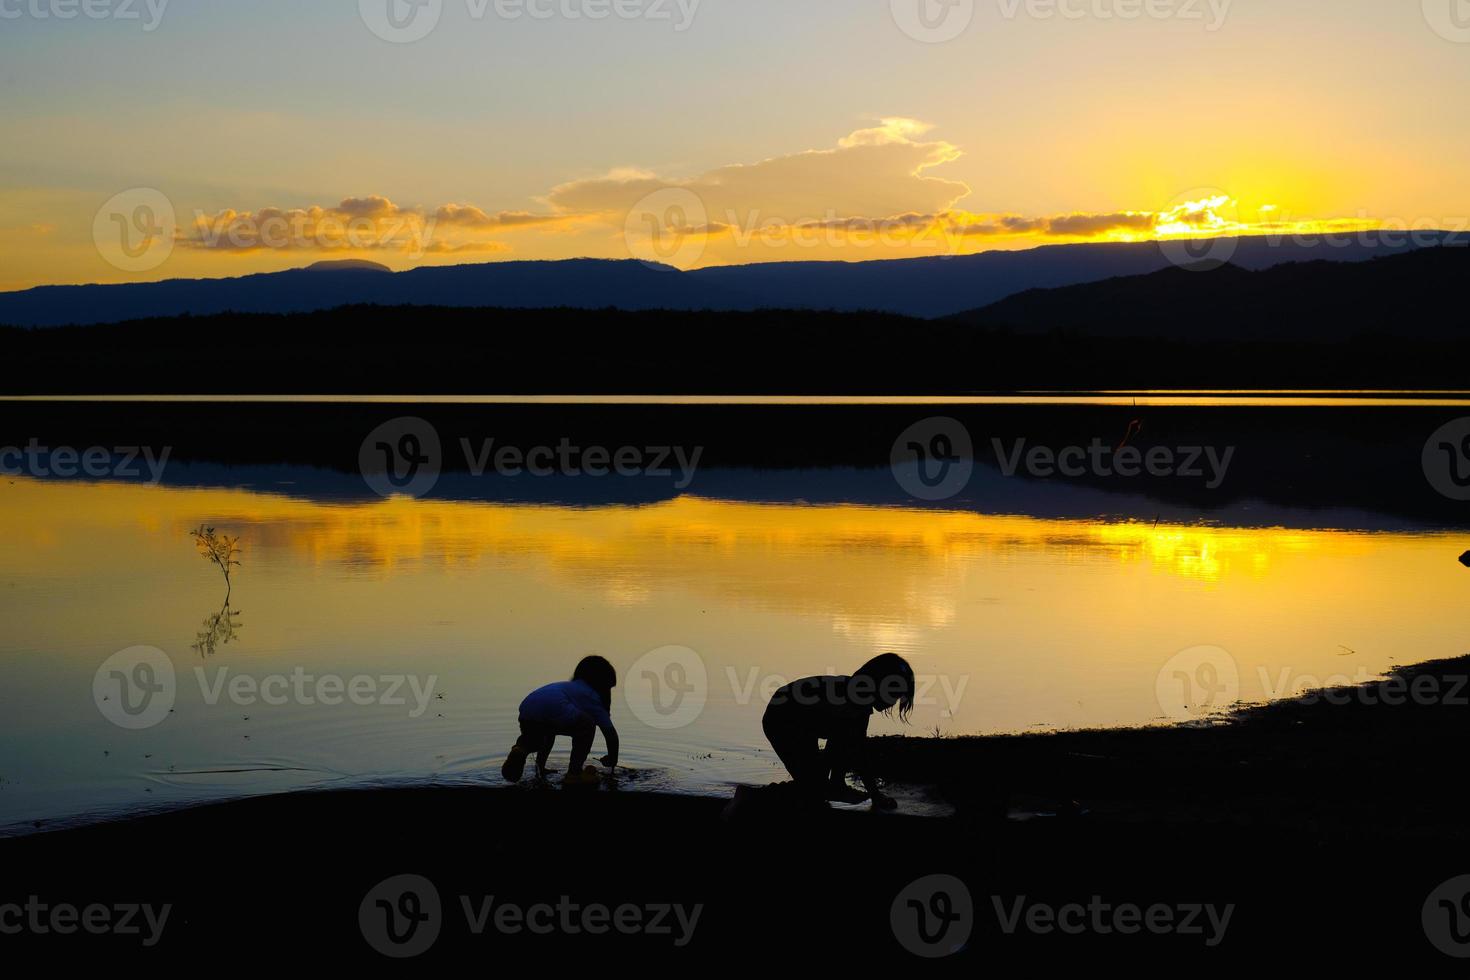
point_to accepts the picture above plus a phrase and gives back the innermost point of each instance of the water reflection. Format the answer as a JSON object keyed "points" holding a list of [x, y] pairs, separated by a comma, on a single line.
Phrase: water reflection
{"points": [[1019, 622], [220, 630], [882, 574]]}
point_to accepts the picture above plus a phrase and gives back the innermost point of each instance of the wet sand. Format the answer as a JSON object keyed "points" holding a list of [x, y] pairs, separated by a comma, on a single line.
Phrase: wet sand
{"points": [[1322, 825]]}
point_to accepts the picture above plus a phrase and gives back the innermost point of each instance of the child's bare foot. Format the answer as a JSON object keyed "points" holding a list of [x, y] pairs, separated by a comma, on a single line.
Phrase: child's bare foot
{"points": [[845, 794]]}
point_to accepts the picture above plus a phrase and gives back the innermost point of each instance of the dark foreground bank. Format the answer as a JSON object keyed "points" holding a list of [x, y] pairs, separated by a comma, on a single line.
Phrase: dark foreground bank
{"points": [[353, 350], [1307, 833]]}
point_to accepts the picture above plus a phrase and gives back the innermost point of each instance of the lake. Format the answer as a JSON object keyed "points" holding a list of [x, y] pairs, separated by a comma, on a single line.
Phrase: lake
{"points": [[384, 632]]}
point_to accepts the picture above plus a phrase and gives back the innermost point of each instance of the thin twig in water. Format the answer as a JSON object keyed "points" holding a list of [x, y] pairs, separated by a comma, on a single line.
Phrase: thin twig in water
{"points": [[221, 549]]}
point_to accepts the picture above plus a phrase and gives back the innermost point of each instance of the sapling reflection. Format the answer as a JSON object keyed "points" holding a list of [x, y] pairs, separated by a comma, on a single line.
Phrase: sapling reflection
{"points": [[220, 629]]}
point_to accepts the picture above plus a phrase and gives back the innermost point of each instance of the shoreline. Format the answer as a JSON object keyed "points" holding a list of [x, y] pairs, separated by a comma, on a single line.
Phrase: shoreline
{"points": [[1102, 771], [1302, 817], [1413, 720]]}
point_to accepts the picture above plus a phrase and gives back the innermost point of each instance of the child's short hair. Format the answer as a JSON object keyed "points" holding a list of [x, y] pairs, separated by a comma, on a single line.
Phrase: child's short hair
{"points": [[600, 675], [892, 680]]}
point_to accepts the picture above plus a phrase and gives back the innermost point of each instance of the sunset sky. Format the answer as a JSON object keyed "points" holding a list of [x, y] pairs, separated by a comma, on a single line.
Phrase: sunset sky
{"points": [[281, 132]]}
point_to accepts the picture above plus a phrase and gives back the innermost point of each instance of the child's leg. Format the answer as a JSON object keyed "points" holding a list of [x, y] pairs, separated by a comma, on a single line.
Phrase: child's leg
{"points": [[526, 743], [836, 764], [837, 761], [798, 752], [545, 741], [537, 738], [582, 736]]}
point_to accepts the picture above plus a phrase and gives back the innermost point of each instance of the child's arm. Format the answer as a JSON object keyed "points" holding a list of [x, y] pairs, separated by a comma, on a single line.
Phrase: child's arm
{"points": [[881, 801], [864, 759], [609, 735]]}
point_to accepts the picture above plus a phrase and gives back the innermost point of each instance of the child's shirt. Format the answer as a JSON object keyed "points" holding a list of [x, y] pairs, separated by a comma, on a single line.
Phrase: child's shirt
{"points": [[562, 706], [821, 706]]}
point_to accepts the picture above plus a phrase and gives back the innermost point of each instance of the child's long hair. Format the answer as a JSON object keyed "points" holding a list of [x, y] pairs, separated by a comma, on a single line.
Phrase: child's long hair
{"points": [[892, 677], [598, 674]]}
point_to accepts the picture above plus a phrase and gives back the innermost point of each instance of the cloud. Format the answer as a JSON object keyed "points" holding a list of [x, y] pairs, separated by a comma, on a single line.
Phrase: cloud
{"points": [[876, 171], [446, 248], [1090, 225], [896, 129], [897, 222], [469, 216], [368, 207], [356, 224], [912, 226], [876, 187], [874, 192], [1076, 225]]}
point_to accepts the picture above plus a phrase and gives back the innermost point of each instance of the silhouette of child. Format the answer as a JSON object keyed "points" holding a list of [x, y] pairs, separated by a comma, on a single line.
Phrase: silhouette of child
{"points": [[578, 707], [837, 709]]}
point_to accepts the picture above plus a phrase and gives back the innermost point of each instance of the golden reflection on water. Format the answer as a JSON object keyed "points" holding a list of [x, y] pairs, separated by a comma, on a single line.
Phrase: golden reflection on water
{"points": [[782, 554], [883, 575], [1012, 622], [1057, 622], [1020, 622], [378, 538]]}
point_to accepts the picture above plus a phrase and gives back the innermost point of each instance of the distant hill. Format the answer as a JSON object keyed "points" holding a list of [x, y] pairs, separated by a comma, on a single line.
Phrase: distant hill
{"points": [[924, 287], [584, 283], [347, 265], [940, 286], [1422, 294]]}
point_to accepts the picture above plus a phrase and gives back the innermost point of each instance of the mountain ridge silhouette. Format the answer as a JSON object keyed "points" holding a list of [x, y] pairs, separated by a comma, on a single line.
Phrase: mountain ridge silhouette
{"points": [[1418, 294], [926, 287]]}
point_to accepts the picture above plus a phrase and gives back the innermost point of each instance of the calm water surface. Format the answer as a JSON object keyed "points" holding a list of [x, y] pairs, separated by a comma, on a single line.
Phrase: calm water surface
{"points": [[1016, 623]]}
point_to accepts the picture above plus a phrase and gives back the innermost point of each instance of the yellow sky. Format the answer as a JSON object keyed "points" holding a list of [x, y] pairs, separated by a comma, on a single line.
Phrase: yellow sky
{"points": [[745, 132], [878, 192]]}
